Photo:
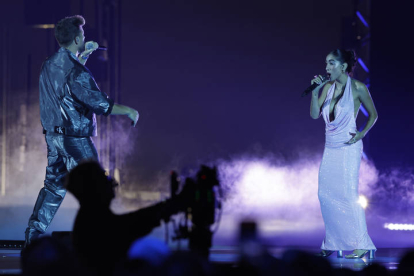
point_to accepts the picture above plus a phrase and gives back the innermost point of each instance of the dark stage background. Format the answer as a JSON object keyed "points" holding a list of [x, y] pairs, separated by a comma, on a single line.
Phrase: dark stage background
{"points": [[216, 82]]}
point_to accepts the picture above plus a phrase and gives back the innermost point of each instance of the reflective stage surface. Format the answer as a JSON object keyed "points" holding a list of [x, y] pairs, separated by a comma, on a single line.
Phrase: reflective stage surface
{"points": [[387, 257]]}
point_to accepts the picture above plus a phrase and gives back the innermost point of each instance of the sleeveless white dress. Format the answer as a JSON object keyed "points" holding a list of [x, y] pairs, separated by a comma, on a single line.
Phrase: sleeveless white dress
{"points": [[344, 217]]}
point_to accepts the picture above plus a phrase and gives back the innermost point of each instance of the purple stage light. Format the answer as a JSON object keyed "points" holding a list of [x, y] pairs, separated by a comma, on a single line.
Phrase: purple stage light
{"points": [[276, 189], [364, 111], [399, 226], [362, 19], [363, 201], [361, 62]]}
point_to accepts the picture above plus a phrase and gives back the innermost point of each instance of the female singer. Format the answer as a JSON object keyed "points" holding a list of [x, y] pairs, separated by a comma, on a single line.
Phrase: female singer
{"points": [[339, 104]]}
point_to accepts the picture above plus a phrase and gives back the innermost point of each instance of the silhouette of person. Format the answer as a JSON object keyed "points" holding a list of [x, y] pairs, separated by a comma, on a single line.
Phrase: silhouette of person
{"points": [[101, 238]]}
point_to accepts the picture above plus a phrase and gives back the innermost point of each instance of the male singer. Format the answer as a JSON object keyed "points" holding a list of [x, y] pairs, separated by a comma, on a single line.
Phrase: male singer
{"points": [[69, 100]]}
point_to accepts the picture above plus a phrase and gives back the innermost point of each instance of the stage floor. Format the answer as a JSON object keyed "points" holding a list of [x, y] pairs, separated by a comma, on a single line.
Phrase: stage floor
{"points": [[387, 257]]}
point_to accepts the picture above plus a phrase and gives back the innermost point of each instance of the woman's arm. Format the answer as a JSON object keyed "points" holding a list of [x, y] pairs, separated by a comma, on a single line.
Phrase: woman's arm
{"points": [[317, 102], [365, 98]]}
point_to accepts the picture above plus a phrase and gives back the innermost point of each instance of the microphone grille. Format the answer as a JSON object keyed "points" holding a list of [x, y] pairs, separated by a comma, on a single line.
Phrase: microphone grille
{"points": [[89, 46]]}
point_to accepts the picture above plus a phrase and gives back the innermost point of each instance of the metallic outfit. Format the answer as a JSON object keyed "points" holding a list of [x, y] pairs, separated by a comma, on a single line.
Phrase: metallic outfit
{"points": [[69, 100]]}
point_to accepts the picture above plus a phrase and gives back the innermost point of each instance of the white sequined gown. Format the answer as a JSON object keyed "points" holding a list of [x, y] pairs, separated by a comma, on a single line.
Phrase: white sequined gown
{"points": [[344, 217]]}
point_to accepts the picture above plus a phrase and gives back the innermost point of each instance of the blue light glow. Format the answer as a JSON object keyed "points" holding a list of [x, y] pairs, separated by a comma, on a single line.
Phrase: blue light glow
{"points": [[364, 156], [362, 19], [363, 65], [363, 110]]}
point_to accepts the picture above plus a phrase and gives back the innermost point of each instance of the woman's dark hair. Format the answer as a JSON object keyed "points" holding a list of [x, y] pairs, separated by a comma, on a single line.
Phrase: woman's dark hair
{"points": [[347, 56], [67, 29]]}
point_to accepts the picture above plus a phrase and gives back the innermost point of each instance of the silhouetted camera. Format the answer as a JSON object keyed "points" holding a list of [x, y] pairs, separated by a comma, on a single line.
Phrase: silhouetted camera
{"points": [[204, 208]]}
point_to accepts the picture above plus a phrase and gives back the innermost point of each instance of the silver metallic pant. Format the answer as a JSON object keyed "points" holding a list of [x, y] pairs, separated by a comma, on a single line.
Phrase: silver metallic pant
{"points": [[63, 154]]}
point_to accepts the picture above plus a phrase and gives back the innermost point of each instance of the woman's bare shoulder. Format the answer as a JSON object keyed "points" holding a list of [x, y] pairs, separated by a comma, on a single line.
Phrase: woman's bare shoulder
{"points": [[359, 85]]}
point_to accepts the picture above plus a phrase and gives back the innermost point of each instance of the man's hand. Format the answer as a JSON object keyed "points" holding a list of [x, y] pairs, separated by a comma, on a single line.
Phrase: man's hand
{"points": [[90, 46], [134, 116], [119, 109]]}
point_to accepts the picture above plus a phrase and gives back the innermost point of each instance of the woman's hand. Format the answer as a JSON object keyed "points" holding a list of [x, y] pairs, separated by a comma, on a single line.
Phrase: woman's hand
{"points": [[320, 81], [356, 137]]}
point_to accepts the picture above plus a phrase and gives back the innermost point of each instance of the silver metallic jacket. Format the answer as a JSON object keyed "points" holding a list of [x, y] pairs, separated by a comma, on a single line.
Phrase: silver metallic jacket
{"points": [[70, 97]]}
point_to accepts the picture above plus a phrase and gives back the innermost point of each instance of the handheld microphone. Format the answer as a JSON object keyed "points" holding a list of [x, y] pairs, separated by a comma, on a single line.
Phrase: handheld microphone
{"points": [[313, 86], [89, 46]]}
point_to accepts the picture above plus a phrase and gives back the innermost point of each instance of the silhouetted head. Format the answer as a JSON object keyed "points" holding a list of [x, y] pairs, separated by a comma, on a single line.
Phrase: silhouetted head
{"points": [[303, 263], [47, 256], [186, 263], [90, 184], [406, 266], [146, 256]]}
